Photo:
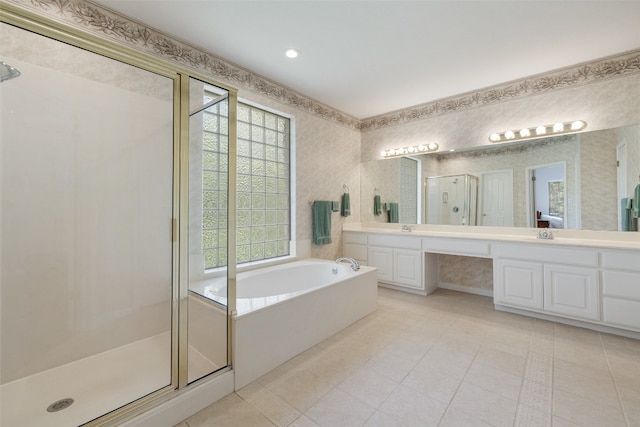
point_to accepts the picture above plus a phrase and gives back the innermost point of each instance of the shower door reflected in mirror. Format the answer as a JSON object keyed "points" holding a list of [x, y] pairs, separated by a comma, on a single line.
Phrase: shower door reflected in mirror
{"points": [[208, 213], [86, 203]]}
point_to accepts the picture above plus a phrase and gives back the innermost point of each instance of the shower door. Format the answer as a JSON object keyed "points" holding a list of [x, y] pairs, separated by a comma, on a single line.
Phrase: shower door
{"points": [[87, 258]]}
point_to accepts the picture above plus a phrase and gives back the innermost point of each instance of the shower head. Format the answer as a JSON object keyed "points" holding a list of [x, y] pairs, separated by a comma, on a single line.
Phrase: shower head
{"points": [[7, 72]]}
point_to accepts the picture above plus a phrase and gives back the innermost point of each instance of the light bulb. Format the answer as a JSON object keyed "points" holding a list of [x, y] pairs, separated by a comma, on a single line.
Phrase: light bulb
{"points": [[509, 134], [421, 147], [291, 53], [558, 127], [433, 146], [577, 125], [525, 133], [494, 137], [541, 130], [412, 149], [383, 153]]}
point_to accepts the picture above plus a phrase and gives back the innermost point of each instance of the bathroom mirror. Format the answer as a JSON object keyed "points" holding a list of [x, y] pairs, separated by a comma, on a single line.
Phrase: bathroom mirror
{"points": [[593, 187]]}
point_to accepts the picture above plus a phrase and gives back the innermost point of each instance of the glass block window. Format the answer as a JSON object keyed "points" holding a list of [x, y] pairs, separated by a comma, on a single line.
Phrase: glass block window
{"points": [[215, 173], [556, 198], [263, 186]]}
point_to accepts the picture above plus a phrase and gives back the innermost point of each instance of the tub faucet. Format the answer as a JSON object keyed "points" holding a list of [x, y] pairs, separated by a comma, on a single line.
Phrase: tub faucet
{"points": [[406, 228], [354, 264]]}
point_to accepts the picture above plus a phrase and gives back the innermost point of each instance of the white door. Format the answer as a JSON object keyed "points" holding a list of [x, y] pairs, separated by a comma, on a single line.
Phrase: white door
{"points": [[621, 157], [497, 198]]}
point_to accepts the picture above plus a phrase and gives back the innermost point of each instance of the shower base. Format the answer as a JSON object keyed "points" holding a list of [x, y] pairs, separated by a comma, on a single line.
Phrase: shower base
{"points": [[97, 384]]}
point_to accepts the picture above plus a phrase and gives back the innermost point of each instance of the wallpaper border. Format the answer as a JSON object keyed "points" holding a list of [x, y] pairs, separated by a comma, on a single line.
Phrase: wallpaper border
{"points": [[102, 22]]}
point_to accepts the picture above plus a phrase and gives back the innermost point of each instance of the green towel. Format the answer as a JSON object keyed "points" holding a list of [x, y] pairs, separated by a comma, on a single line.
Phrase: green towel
{"points": [[393, 212], [346, 205], [335, 206], [377, 206], [627, 217], [636, 202], [321, 222]]}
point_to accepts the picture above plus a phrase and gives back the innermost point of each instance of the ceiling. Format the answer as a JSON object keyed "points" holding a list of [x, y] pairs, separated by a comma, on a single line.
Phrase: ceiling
{"points": [[371, 57]]}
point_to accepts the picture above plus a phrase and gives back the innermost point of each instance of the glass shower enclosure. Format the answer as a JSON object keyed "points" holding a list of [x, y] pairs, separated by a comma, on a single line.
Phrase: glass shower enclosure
{"points": [[96, 317], [451, 200]]}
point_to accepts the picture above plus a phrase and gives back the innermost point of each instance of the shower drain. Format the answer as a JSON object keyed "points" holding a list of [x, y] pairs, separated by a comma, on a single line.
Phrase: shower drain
{"points": [[60, 405]]}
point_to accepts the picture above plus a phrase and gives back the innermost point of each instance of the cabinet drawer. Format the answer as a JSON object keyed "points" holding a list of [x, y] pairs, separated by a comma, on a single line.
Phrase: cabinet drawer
{"points": [[621, 312], [547, 253], [624, 260], [403, 242], [621, 284], [356, 238], [456, 246]]}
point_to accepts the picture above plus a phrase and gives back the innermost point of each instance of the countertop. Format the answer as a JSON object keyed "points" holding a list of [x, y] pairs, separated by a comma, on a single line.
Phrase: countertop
{"points": [[575, 238]]}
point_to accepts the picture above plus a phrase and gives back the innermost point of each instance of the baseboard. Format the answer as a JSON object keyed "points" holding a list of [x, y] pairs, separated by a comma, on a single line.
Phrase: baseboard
{"points": [[467, 289], [571, 322], [191, 400]]}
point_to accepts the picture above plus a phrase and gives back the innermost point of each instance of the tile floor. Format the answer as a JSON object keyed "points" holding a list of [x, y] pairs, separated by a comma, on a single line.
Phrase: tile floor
{"points": [[448, 359]]}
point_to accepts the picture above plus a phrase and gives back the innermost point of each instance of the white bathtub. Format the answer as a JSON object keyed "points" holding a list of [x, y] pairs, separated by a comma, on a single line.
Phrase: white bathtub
{"points": [[285, 309]]}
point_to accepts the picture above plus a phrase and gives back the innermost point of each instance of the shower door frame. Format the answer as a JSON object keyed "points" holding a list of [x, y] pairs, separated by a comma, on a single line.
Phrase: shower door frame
{"points": [[63, 33]]}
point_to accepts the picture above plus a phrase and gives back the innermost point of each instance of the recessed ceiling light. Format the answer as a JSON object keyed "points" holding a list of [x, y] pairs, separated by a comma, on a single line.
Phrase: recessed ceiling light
{"points": [[291, 53]]}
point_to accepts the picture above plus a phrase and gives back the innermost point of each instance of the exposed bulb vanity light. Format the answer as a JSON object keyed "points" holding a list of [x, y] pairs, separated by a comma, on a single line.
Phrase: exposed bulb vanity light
{"points": [[532, 132], [414, 149], [578, 125]]}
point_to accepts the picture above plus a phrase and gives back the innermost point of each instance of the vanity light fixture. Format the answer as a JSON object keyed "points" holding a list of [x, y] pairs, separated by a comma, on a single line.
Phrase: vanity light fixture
{"points": [[533, 132], [414, 149]]}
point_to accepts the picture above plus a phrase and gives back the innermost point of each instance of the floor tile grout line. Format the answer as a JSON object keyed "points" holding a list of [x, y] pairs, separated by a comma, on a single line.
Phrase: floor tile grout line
{"points": [[615, 383], [516, 420], [458, 387]]}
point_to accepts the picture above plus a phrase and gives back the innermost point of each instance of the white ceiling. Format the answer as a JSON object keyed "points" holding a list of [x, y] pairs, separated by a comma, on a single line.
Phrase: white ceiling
{"points": [[370, 57]]}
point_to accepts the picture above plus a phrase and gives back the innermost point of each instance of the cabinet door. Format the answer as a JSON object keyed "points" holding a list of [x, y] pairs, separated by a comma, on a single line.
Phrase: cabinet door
{"points": [[518, 283], [382, 259], [407, 268], [573, 291]]}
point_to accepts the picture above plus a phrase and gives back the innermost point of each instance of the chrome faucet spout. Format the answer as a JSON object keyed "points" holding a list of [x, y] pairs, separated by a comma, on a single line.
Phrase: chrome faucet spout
{"points": [[354, 264]]}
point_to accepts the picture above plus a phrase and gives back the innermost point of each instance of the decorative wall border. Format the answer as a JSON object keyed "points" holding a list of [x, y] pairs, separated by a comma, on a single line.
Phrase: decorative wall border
{"points": [[104, 23], [99, 21], [603, 69]]}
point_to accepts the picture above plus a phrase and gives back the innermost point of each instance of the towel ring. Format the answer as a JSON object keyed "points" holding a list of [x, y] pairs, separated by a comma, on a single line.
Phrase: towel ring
{"points": [[345, 188]]}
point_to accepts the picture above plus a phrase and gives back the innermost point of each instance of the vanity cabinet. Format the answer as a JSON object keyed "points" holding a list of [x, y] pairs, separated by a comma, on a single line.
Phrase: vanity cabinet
{"points": [[621, 288], [354, 245], [398, 259], [560, 281]]}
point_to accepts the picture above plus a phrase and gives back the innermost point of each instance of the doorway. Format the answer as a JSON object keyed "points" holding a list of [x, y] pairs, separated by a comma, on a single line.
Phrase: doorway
{"points": [[547, 201]]}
